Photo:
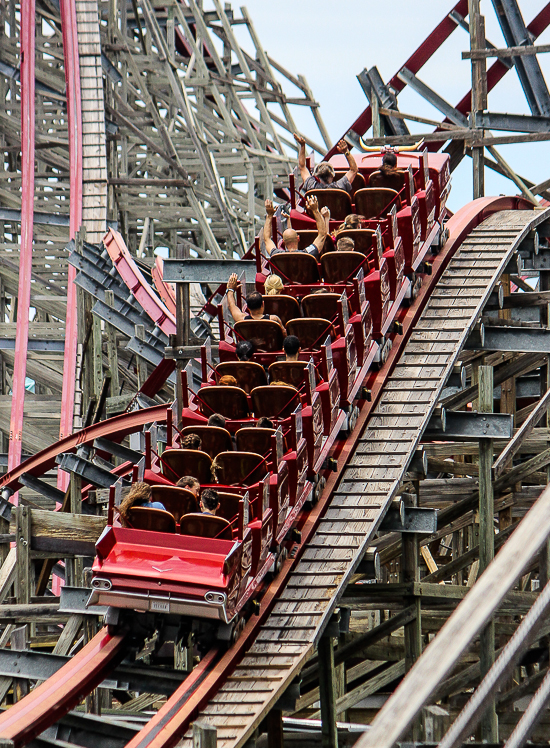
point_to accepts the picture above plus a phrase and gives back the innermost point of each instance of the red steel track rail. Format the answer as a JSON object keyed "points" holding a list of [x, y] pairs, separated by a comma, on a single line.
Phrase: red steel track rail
{"points": [[133, 277], [428, 47], [114, 428], [64, 690], [74, 114], [28, 23]]}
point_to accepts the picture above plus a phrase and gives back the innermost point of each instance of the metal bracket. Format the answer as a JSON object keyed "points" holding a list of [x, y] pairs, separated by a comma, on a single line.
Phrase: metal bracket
{"points": [[465, 425], [417, 520], [72, 463], [207, 271], [74, 599], [517, 339]]}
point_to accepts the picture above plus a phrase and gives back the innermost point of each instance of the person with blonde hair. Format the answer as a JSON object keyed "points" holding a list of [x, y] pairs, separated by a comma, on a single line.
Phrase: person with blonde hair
{"points": [[139, 495], [353, 221], [273, 285], [227, 381]]}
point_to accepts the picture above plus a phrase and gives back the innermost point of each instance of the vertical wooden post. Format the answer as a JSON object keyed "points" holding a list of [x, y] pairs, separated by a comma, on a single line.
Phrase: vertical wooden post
{"points": [[327, 692], [274, 724], [141, 363], [18, 643], [112, 348], [23, 541], [544, 285], [97, 344], [507, 401], [204, 736], [74, 566], [489, 722], [410, 573], [479, 90]]}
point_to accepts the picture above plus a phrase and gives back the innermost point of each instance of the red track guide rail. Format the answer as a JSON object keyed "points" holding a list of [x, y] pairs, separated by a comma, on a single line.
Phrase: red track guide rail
{"points": [[28, 23], [114, 428], [63, 691], [175, 717], [74, 112], [165, 290], [133, 277]]}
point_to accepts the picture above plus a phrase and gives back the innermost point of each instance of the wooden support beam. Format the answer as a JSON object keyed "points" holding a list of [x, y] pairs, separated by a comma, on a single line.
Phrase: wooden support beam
{"points": [[204, 735], [410, 573], [23, 541], [444, 651], [112, 353], [274, 725], [507, 52], [327, 692], [508, 453]]}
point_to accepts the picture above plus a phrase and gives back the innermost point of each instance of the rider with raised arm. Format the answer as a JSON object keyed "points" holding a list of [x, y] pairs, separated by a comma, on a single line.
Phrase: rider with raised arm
{"points": [[323, 174], [291, 240]]}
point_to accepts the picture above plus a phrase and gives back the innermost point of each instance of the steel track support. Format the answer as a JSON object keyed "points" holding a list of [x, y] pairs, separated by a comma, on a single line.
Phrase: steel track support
{"points": [[489, 722], [528, 68], [327, 692]]}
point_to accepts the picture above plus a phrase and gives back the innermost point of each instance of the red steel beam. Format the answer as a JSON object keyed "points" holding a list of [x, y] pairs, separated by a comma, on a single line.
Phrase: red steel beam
{"points": [[74, 114], [25, 256], [55, 697], [134, 279], [415, 62], [430, 45]]}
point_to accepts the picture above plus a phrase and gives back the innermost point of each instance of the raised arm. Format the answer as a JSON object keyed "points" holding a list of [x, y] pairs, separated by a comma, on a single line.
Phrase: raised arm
{"points": [[325, 212], [304, 171], [352, 171], [313, 206], [269, 213], [234, 310]]}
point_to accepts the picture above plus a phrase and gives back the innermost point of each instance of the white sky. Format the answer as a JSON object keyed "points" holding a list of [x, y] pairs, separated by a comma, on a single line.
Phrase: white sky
{"points": [[330, 43]]}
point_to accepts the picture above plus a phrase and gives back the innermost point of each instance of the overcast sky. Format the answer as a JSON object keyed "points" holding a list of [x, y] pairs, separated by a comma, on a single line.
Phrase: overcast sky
{"points": [[331, 42]]}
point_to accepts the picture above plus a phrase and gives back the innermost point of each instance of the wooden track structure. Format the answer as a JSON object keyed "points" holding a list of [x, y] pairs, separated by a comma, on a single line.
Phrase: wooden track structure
{"points": [[168, 161]]}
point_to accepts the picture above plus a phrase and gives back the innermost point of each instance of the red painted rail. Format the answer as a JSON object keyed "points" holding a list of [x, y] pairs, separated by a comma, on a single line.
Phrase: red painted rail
{"points": [[74, 114], [28, 23], [64, 690]]}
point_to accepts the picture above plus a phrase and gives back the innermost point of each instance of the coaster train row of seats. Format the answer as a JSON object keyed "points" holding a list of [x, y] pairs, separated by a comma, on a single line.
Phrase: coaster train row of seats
{"points": [[264, 477]]}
